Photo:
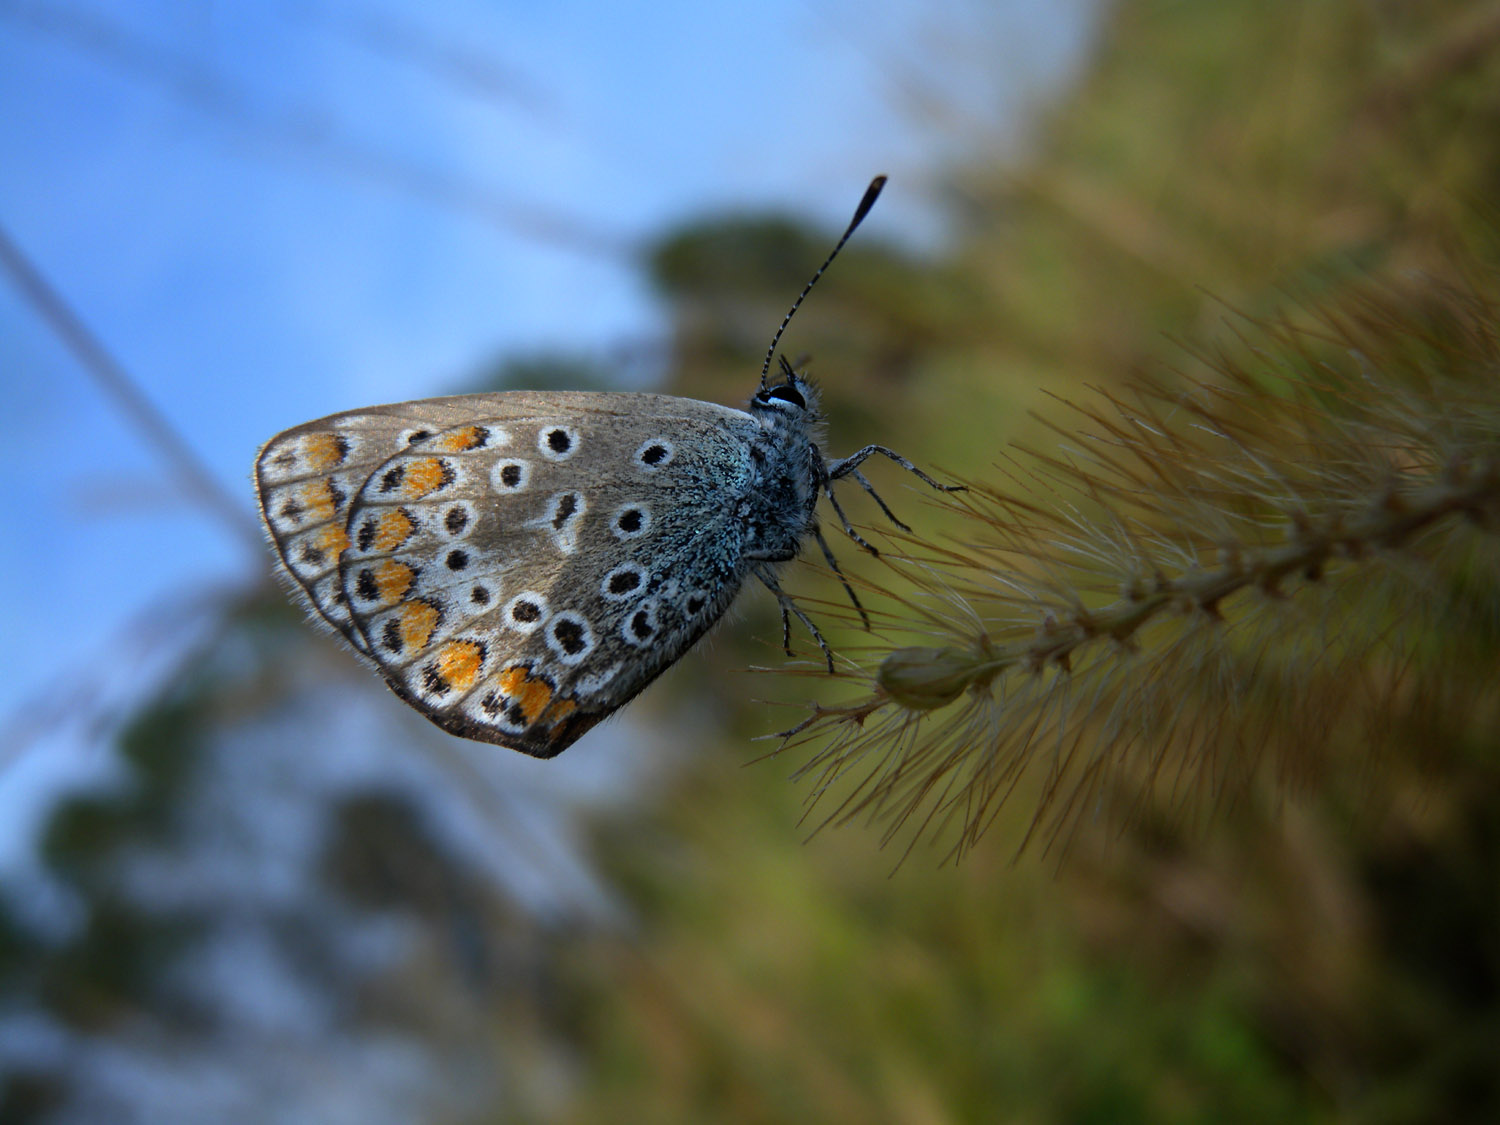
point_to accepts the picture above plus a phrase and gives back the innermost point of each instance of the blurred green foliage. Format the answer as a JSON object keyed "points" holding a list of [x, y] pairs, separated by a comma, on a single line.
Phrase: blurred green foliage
{"points": [[1325, 952]]}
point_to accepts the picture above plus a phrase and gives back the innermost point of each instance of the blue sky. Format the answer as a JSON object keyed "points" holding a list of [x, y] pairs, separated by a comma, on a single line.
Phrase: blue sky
{"points": [[270, 210]]}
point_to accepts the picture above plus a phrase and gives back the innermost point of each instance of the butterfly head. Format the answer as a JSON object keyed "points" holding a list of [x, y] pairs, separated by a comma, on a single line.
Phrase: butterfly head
{"points": [[792, 402]]}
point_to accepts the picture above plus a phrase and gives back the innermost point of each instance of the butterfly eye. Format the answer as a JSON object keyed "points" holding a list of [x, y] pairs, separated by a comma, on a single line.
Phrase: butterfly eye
{"points": [[787, 393]]}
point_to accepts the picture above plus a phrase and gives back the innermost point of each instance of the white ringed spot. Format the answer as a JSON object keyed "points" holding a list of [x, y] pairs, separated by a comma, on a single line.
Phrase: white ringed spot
{"points": [[557, 442], [414, 436], [640, 627], [458, 519], [564, 513], [655, 453], [526, 612], [510, 475], [569, 637], [626, 581], [630, 521]]}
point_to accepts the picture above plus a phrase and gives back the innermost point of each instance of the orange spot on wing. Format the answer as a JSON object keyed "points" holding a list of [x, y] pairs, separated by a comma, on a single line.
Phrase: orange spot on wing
{"points": [[532, 695], [324, 451], [459, 440], [393, 579], [392, 530], [317, 498], [332, 540], [417, 621], [459, 663], [425, 476], [560, 710]]}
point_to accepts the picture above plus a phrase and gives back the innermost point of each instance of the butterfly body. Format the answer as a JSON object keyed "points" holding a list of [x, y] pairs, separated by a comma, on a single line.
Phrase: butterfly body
{"points": [[519, 565]]}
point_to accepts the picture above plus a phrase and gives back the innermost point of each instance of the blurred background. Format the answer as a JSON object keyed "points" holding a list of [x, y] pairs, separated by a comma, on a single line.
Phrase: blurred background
{"points": [[239, 881]]}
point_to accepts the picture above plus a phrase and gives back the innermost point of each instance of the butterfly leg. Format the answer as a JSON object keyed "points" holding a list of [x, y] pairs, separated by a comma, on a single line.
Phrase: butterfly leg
{"points": [[833, 564], [768, 580], [868, 487], [847, 465], [827, 486]]}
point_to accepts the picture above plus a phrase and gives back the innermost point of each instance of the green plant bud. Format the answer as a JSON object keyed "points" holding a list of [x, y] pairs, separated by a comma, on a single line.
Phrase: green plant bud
{"points": [[924, 679]]}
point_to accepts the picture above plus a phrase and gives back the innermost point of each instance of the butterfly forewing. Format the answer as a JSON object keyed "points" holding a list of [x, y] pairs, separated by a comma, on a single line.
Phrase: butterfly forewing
{"points": [[518, 565]]}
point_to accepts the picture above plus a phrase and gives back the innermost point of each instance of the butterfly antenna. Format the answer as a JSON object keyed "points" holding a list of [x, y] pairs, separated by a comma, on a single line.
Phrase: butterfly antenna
{"points": [[872, 193]]}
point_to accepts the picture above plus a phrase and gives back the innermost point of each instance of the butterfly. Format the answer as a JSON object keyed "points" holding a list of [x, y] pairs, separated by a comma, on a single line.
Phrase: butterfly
{"points": [[520, 565]]}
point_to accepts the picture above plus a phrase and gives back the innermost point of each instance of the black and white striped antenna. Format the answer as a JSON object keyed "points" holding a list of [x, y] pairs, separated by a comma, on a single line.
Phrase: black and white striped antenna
{"points": [[872, 193]]}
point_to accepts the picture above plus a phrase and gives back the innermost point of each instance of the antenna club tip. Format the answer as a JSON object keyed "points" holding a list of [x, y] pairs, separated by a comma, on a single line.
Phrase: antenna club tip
{"points": [[872, 193]]}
